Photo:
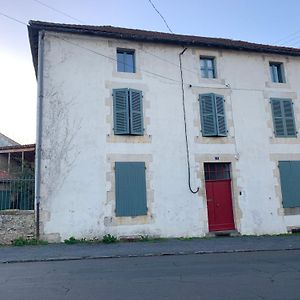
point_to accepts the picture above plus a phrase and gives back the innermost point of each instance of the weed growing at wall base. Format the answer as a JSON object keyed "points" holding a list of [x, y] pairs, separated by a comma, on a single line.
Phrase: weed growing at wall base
{"points": [[108, 239], [25, 242]]}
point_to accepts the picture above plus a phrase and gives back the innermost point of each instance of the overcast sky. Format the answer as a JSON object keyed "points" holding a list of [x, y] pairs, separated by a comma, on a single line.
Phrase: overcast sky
{"points": [[262, 21]]}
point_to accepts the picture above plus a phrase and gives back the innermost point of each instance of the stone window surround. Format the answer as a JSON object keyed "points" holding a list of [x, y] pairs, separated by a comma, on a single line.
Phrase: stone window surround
{"points": [[282, 95], [199, 139], [217, 55], [112, 219], [285, 63], [275, 158], [200, 159], [139, 139]]}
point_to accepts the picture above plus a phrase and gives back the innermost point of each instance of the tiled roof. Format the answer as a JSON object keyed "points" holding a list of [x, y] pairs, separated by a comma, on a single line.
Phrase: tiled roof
{"points": [[17, 147], [151, 36]]}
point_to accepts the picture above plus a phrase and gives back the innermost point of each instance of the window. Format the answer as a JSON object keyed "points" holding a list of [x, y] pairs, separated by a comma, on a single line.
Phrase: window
{"points": [[216, 171], [276, 71], [125, 61], [128, 112], [283, 118], [130, 189], [289, 179], [207, 67], [212, 113]]}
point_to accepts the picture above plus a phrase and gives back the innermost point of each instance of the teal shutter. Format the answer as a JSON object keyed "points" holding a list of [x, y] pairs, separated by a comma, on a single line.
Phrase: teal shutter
{"points": [[207, 113], [136, 112], [283, 117], [289, 179], [220, 115], [287, 106], [130, 189], [121, 111], [277, 117]]}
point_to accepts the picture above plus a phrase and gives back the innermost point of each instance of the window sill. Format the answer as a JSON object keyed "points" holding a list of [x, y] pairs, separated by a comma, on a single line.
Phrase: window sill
{"points": [[277, 85], [127, 75], [131, 139], [291, 211], [212, 82], [136, 220], [284, 140]]}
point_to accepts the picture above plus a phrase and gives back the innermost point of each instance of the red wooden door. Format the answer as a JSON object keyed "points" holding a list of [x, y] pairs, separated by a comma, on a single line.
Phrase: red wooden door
{"points": [[219, 200]]}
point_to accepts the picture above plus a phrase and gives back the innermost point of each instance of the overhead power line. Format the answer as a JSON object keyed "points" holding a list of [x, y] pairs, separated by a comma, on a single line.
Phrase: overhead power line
{"points": [[160, 15], [191, 85], [12, 18], [286, 37], [58, 11]]}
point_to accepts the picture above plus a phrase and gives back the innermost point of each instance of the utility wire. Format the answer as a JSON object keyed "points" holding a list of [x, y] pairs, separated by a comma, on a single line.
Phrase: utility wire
{"points": [[286, 37], [160, 15], [114, 59], [287, 42], [185, 127], [143, 70], [12, 18], [58, 11]]}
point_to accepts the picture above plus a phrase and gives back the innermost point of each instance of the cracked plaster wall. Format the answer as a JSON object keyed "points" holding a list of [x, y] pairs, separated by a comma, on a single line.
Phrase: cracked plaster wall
{"points": [[79, 147]]}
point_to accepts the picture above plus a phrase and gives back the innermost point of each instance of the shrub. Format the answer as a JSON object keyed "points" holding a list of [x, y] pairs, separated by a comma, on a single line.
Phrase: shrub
{"points": [[108, 239], [72, 240]]}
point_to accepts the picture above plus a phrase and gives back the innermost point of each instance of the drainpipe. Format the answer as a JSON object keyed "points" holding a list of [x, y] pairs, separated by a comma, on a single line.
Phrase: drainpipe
{"points": [[38, 149]]}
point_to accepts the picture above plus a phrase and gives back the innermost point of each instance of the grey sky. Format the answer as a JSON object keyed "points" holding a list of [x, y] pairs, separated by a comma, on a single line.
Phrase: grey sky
{"points": [[264, 21]]}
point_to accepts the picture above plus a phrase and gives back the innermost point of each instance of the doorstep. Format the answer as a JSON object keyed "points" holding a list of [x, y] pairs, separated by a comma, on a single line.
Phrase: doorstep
{"points": [[223, 233]]}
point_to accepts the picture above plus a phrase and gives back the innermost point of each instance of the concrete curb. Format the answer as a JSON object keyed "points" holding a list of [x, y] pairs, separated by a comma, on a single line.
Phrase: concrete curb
{"points": [[87, 257]]}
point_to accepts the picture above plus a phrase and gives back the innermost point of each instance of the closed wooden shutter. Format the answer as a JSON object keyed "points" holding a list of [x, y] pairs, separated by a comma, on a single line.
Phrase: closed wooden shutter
{"points": [[289, 179], [288, 112], [207, 112], [283, 117], [121, 111], [130, 189], [212, 113], [220, 115], [136, 112]]}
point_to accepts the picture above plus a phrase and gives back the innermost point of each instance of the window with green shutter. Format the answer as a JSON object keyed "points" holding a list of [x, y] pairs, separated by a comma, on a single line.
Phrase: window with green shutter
{"points": [[283, 117], [130, 181], [289, 179], [212, 114], [128, 112]]}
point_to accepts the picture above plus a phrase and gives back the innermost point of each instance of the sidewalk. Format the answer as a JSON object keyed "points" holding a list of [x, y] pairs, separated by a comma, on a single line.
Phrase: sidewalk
{"points": [[58, 252]]}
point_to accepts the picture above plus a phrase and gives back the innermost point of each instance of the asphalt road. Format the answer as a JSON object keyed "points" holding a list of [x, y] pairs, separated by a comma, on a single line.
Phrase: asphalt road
{"points": [[256, 275]]}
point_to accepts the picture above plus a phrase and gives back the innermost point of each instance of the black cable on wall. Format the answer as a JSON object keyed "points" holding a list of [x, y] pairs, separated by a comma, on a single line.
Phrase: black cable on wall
{"points": [[185, 129]]}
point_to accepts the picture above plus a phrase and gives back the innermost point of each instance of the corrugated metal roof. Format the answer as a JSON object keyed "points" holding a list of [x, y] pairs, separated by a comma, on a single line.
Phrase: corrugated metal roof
{"points": [[18, 147]]}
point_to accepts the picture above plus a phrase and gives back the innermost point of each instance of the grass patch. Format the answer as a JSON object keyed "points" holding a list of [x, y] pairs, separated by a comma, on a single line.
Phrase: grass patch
{"points": [[72, 240], [107, 239], [25, 242]]}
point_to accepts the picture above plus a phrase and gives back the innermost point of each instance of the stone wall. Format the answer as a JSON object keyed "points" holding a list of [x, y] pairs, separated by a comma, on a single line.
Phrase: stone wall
{"points": [[15, 224]]}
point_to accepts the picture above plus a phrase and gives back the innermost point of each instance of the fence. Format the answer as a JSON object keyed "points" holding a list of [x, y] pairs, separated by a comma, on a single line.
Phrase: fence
{"points": [[17, 194]]}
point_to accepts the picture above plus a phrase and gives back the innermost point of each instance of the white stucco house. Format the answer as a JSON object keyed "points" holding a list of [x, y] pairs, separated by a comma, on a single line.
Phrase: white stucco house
{"points": [[158, 134]]}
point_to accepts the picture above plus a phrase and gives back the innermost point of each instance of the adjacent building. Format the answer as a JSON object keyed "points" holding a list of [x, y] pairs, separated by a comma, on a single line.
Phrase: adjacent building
{"points": [[149, 133]]}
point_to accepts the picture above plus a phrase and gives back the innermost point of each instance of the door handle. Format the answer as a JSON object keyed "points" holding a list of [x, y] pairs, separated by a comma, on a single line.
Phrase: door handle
{"points": [[209, 200]]}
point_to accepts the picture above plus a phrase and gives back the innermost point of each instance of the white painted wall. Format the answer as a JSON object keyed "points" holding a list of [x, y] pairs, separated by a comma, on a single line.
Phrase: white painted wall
{"points": [[79, 146]]}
